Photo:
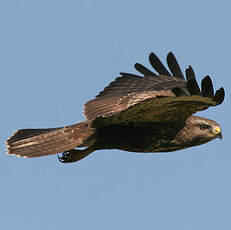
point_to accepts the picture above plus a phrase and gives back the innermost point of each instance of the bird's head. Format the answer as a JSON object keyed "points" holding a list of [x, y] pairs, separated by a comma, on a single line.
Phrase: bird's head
{"points": [[199, 130]]}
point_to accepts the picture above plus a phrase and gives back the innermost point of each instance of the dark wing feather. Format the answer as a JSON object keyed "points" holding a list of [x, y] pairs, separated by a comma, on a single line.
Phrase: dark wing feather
{"points": [[190, 73], [158, 65], [174, 66], [207, 87], [193, 87], [144, 70], [162, 98], [219, 96]]}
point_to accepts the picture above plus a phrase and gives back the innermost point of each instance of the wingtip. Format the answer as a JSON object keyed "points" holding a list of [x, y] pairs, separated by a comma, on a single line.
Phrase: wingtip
{"points": [[219, 96], [144, 70], [152, 54], [170, 53], [207, 87], [170, 56], [190, 74]]}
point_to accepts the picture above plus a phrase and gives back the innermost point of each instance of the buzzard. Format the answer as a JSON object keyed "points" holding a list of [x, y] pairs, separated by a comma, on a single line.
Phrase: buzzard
{"points": [[149, 113]]}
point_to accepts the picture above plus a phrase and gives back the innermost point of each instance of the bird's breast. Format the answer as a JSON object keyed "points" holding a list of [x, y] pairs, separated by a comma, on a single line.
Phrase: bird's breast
{"points": [[143, 138]]}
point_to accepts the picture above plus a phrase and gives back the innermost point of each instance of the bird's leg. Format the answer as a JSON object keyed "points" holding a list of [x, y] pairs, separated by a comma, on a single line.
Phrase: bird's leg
{"points": [[74, 155]]}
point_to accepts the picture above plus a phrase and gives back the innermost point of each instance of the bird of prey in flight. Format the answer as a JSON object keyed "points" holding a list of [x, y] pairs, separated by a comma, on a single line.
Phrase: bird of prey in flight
{"points": [[149, 113]]}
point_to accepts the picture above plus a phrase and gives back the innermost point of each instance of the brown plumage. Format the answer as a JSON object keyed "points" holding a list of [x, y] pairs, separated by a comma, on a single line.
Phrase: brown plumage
{"points": [[152, 113]]}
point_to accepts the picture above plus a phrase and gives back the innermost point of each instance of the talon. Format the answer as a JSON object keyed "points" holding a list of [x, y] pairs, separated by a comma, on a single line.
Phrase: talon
{"points": [[60, 158], [65, 158], [74, 155]]}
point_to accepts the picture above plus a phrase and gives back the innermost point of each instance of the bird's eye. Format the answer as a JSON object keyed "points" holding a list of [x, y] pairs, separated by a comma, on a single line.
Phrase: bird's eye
{"points": [[204, 126]]}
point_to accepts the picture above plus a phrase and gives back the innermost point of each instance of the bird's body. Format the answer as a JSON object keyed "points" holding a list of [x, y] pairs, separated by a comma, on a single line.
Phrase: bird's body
{"points": [[137, 114], [144, 138], [153, 137]]}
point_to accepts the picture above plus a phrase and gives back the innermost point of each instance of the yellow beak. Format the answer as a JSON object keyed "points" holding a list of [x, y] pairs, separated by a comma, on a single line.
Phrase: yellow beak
{"points": [[217, 132]]}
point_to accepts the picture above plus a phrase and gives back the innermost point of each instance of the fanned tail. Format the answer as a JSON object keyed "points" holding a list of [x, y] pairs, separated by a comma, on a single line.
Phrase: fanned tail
{"points": [[30, 143]]}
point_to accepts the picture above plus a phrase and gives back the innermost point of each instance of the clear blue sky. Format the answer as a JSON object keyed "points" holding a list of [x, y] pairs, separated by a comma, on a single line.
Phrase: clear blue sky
{"points": [[54, 56]]}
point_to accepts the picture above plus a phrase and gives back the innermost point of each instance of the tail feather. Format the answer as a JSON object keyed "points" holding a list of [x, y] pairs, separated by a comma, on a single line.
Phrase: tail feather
{"points": [[41, 142], [23, 134]]}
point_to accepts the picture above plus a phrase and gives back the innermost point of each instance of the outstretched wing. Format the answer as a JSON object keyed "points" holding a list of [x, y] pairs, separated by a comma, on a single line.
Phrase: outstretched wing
{"points": [[153, 98]]}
